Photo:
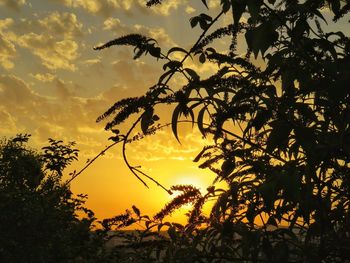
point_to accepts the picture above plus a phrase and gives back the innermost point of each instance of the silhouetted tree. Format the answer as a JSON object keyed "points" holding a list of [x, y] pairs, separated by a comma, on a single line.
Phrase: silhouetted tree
{"points": [[279, 120], [40, 219]]}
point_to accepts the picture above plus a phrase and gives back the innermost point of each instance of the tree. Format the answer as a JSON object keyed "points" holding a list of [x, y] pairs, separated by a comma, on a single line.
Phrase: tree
{"points": [[280, 132], [39, 219]]}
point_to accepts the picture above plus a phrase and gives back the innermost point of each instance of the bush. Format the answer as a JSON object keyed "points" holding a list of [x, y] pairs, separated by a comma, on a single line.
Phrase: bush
{"points": [[40, 219]]}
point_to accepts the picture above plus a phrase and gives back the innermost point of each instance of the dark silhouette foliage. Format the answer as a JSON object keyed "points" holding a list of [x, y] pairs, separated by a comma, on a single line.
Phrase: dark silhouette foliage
{"points": [[279, 120], [40, 219]]}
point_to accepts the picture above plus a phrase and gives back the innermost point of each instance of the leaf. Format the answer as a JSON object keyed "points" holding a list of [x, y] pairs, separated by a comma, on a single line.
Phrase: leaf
{"points": [[306, 138], [203, 24], [146, 120], [335, 6], [198, 157], [251, 213], [192, 73], [194, 21], [200, 120], [115, 131], [210, 49], [279, 134], [328, 46], [209, 162], [226, 5], [254, 8], [261, 38], [177, 49], [172, 233], [227, 168], [136, 210], [155, 52], [300, 28], [222, 202], [205, 3], [206, 17], [202, 58], [238, 8], [188, 112], [114, 138], [155, 118], [268, 193], [163, 76], [319, 14], [176, 114], [173, 65], [261, 119]]}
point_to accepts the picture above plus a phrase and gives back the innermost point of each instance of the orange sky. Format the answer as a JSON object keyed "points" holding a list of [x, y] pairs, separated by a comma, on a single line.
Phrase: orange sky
{"points": [[52, 84]]}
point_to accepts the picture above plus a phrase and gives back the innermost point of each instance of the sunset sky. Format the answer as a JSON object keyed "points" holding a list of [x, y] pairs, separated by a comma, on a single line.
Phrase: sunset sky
{"points": [[52, 84]]}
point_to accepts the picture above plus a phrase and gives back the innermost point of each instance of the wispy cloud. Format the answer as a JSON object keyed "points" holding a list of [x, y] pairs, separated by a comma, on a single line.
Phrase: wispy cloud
{"points": [[129, 7]]}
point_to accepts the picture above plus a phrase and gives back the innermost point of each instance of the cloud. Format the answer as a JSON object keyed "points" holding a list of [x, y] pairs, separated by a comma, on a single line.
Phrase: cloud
{"points": [[14, 91], [103, 7], [52, 39], [7, 52], [109, 7], [13, 4], [53, 54], [46, 77], [163, 146], [115, 25], [64, 24], [190, 10], [158, 33], [62, 115], [7, 121], [135, 75], [213, 4], [7, 48], [165, 8]]}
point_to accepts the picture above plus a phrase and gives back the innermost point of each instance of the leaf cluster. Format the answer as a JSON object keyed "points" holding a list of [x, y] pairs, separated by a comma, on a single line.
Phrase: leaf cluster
{"points": [[278, 120], [40, 219]]}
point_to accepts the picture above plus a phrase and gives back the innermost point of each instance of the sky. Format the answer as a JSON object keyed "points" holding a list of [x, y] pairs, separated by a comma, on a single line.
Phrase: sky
{"points": [[54, 85]]}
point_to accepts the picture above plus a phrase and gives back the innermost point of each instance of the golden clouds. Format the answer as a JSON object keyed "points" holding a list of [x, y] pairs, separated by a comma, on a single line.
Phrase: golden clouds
{"points": [[55, 85], [64, 24], [13, 4], [157, 33], [7, 52], [51, 38], [7, 48], [105, 7], [111, 7], [53, 54], [45, 77], [23, 110], [159, 147], [14, 91], [114, 25], [190, 10]]}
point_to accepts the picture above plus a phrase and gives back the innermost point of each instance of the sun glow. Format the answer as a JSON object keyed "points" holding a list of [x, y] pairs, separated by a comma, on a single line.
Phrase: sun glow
{"points": [[191, 179]]}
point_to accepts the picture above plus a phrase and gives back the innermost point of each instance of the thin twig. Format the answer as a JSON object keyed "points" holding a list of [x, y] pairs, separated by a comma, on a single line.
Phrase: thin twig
{"points": [[91, 161]]}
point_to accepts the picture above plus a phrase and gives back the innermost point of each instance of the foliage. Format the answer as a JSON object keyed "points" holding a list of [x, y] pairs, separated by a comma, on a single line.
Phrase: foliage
{"points": [[279, 120], [40, 219]]}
